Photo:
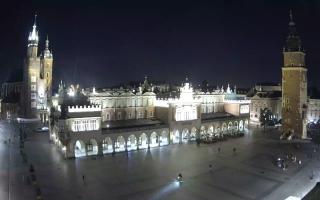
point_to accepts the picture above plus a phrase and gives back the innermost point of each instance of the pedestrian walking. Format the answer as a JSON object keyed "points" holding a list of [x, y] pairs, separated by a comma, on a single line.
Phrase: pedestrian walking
{"points": [[83, 179]]}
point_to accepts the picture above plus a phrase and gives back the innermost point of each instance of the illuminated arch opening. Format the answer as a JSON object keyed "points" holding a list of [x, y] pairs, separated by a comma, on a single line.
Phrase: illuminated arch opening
{"points": [[246, 124], [143, 141], [92, 147], [193, 134], [164, 140], [185, 135], [203, 132], [241, 125], [176, 137], [224, 128], [107, 145], [79, 149], [120, 144], [132, 143], [210, 131], [217, 130], [230, 127], [236, 126], [154, 140]]}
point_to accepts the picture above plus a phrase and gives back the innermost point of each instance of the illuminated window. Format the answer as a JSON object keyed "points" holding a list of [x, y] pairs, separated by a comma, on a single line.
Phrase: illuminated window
{"points": [[33, 96], [33, 87], [33, 79], [33, 104], [184, 113]]}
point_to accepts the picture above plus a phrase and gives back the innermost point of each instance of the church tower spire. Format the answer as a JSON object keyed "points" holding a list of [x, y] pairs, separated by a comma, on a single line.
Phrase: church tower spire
{"points": [[33, 40], [293, 42], [47, 52]]}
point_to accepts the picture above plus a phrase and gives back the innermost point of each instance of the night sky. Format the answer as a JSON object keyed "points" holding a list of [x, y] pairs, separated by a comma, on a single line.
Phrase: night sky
{"points": [[104, 44]]}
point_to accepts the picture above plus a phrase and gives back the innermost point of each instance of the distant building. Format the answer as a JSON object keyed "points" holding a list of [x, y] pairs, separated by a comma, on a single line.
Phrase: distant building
{"points": [[267, 96]]}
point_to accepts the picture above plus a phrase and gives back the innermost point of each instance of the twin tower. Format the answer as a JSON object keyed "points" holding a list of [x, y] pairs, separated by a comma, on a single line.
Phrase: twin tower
{"points": [[294, 86], [37, 78]]}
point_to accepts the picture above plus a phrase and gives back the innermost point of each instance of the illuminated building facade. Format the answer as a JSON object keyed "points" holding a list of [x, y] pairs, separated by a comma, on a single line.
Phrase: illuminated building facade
{"points": [[37, 78], [97, 122], [30, 97]]}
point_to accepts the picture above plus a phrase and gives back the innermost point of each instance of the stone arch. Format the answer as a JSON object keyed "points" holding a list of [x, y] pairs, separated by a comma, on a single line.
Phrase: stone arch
{"points": [[120, 144], [132, 142], [210, 131], [217, 130], [154, 140], [230, 126], [203, 132], [164, 140], [79, 149], [236, 126], [224, 128], [246, 124], [92, 147], [175, 137], [185, 135], [241, 125], [193, 134], [143, 141], [107, 146]]}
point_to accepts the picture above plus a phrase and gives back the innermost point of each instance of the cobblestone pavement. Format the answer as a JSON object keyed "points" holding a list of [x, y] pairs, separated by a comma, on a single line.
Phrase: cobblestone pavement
{"points": [[250, 173]]}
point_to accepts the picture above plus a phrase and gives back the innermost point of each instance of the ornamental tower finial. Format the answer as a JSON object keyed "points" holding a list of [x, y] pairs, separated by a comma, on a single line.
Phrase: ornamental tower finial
{"points": [[47, 43], [47, 53], [33, 38]]}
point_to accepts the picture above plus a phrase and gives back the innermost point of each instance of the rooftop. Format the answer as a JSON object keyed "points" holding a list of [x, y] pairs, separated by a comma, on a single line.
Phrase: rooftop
{"points": [[218, 115]]}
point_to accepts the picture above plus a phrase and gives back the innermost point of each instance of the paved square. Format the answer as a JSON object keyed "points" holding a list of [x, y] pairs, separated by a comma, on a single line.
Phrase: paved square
{"points": [[150, 174], [239, 183]]}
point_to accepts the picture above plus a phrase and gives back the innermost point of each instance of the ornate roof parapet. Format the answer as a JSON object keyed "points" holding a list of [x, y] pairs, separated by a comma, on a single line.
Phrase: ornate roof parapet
{"points": [[84, 108]]}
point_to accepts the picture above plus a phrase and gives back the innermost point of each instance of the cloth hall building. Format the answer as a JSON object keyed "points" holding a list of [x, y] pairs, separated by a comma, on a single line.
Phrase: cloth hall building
{"points": [[98, 122]]}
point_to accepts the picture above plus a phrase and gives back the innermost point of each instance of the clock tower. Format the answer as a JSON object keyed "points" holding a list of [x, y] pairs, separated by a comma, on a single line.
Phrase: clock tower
{"points": [[294, 85]]}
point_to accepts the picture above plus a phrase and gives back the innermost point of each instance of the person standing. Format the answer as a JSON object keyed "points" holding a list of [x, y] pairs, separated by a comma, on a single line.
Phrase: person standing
{"points": [[83, 179]]}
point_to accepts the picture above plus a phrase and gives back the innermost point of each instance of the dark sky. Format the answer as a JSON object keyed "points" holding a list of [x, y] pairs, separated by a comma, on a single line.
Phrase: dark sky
{"points": [[103, 44]]}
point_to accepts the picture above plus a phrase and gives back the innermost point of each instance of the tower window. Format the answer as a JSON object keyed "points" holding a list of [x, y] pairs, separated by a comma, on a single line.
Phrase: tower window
{"points": [[33, 79]]}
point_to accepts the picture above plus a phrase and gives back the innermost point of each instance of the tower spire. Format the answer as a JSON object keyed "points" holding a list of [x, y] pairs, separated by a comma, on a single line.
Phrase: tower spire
{"points": [[33, 35], [47, 52], [35, 20], [47, 43], [291, 16], [293, 42]]}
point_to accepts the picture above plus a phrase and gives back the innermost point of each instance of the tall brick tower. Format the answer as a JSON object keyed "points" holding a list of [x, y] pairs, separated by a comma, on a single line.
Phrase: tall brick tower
{"points": [[31, 74], [37, 78], [294, 85], [46, 70]]}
